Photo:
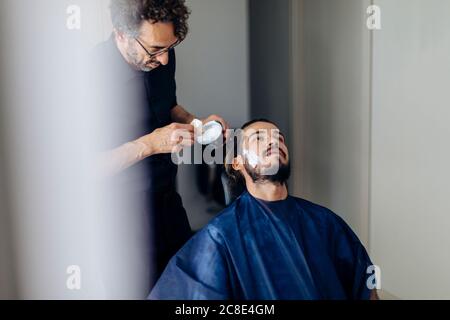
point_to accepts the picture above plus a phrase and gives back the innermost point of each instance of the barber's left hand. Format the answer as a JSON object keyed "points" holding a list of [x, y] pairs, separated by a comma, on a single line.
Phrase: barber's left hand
{"points": [[219, 119]]}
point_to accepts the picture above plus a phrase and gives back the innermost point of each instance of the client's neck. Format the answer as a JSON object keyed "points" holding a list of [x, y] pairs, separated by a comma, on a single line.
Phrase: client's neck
{"points": [[268, 191]]}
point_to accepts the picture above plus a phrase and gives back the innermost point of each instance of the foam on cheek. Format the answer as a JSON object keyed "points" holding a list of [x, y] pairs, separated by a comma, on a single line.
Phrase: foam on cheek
{"points": [[252, 158]]}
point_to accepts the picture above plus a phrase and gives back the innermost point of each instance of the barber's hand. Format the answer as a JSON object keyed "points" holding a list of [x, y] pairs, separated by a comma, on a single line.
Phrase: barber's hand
{"points": [[219, 119], [169, 139]]}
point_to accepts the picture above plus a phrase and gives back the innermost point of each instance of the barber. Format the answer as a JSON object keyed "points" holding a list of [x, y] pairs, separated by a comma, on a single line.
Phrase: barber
{"points": [[138, 78]]}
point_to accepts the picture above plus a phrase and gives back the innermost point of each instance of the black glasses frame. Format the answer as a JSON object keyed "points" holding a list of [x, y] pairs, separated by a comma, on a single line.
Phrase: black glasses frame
{"points": [[158, 53]]}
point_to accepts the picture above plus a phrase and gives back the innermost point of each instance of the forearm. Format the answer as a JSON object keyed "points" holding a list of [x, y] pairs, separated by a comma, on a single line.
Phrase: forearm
{"points": [[180, 115], [123, 157], [164, 140]]}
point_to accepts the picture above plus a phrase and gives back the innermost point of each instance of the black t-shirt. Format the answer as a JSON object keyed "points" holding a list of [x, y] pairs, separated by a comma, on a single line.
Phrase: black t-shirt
{"points": [[133, 104]]}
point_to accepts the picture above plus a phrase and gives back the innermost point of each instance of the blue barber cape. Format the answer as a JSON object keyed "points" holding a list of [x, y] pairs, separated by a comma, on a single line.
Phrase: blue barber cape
{"points": [[257, 250]]}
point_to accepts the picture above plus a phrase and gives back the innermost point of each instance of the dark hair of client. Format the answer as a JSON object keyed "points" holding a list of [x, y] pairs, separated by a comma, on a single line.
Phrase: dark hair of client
{"points": [[236, 178], [128, 15]]}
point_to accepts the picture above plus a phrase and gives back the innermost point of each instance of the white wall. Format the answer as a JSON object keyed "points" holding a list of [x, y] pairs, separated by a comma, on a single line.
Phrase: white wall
{"points": [[374, 133], [410, 167], [331, 146]]}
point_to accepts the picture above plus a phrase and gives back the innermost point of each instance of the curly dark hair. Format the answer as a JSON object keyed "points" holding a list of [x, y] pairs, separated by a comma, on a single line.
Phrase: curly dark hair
{"points": [[128, 15]]}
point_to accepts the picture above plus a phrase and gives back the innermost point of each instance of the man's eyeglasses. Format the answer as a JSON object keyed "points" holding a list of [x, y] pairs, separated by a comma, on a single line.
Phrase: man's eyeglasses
{"points": [[157, 53]]}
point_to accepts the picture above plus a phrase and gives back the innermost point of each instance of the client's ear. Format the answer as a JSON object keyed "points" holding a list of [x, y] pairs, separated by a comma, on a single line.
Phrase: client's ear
{"points": [[238, 163]]}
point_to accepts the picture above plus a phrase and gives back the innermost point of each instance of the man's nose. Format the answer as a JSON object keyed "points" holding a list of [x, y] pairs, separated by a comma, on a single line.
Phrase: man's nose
{"points": [[272, 146], [274, 142], [163, 58]]}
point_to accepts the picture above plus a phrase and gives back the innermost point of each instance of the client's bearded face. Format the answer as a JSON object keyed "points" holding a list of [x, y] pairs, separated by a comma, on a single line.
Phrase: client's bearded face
{"points": [[266, 156]]}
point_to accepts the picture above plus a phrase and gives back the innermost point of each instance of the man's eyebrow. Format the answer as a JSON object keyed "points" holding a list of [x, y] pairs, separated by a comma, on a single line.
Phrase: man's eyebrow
{"points": [[259, 131]]}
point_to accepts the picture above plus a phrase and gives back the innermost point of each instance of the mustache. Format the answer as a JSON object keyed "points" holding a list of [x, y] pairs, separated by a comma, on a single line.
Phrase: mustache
{"points": [[271, 150]]}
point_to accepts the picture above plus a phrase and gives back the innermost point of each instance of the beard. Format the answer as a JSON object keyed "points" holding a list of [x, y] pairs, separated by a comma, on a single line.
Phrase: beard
{"points": [[133, 58], [281, 177]]}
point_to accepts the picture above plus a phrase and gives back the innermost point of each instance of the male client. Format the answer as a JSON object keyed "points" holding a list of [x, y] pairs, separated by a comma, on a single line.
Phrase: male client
{"points": [[268, 245]]}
